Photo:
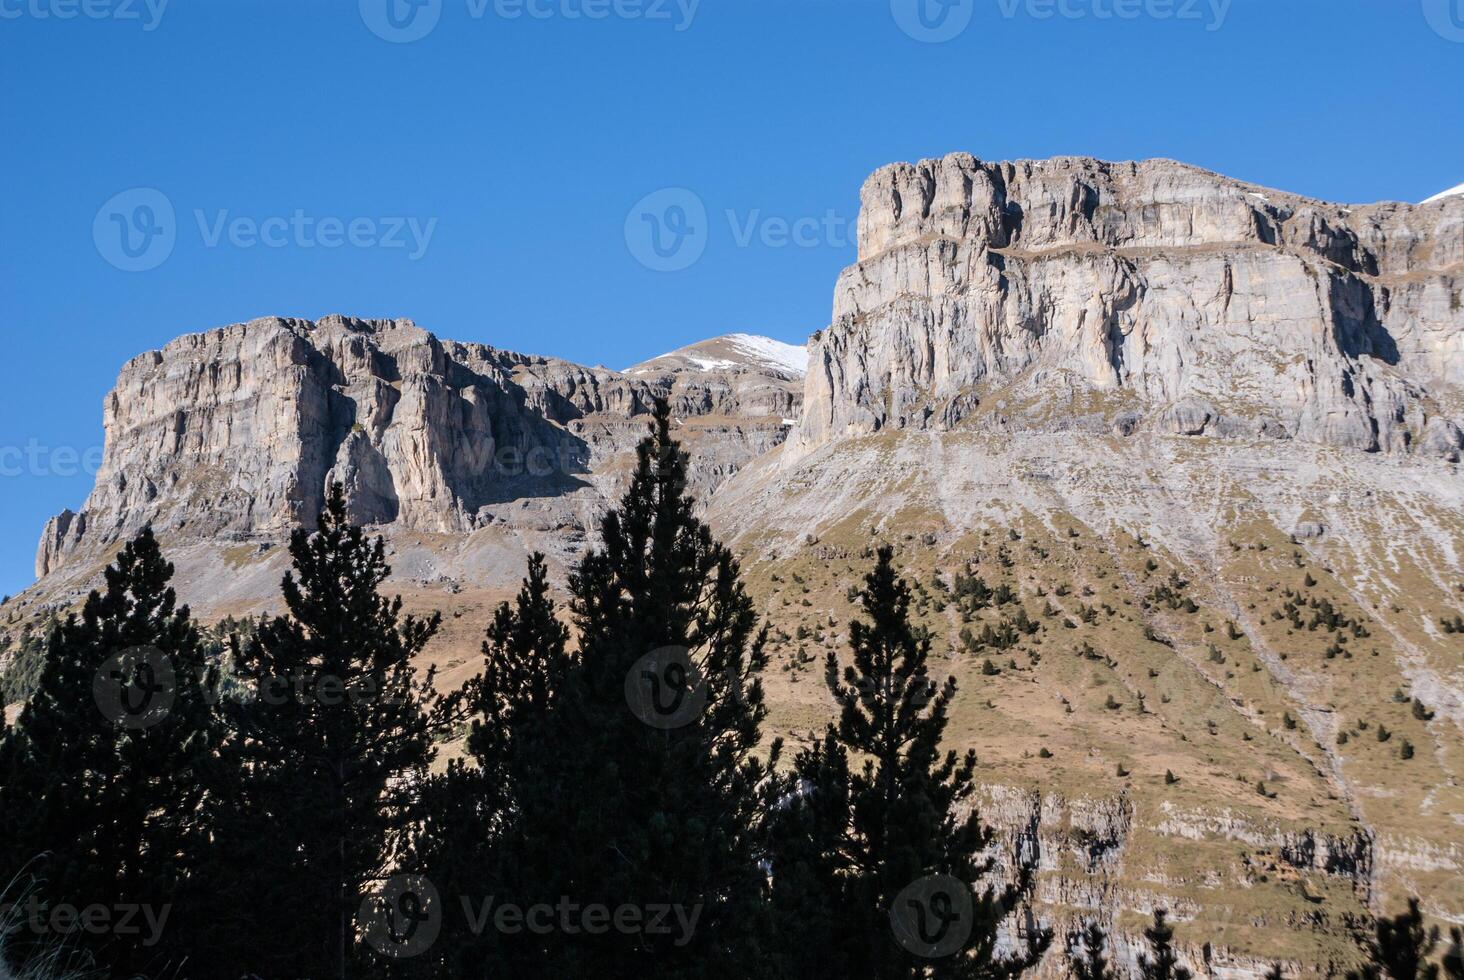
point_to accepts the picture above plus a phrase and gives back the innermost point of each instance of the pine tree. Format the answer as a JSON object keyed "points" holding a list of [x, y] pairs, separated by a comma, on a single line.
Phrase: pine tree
{"points": [[471, 816], [1089, 961], [646, 791], [1453, 962], [881, 847], [525, 666], [320, 777], [813, 897], [1399, 948], [102, 789], [1164, 965]]}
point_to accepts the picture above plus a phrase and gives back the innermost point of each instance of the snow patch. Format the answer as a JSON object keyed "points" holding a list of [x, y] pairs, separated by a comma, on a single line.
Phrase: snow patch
{"points": [[754, 349], [708, 363], [1451, 192], [789, 358]]}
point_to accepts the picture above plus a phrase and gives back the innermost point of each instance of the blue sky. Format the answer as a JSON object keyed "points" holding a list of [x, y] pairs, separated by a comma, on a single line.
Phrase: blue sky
{"points": [[488, 178]]}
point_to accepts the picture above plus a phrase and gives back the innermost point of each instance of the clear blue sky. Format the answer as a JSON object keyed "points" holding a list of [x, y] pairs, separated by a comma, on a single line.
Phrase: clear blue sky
{"points": [[531, 139]]}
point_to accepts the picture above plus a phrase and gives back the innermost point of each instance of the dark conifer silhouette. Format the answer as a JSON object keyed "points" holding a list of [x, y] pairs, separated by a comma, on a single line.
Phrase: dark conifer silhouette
{"points": [[882, 843], [525, 666], [1089, 961], [1399, 948], [1453, 961], [472, 830], [813, 898], [101, 787], [1164, 964], [320, 777], [627, 774]]}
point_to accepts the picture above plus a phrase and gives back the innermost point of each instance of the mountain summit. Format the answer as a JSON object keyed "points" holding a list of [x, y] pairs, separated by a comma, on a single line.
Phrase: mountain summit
{"points": [[731, 352]]}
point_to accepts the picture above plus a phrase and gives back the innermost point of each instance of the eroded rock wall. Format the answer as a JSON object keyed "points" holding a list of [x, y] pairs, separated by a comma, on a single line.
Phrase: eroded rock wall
{"points": [[237, 432], [1196, 304]]}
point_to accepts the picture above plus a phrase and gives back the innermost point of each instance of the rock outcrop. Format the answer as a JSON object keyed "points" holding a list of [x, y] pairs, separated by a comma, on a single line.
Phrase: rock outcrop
{"points": [[237, 432], [1078, 848], [1189, 303]]}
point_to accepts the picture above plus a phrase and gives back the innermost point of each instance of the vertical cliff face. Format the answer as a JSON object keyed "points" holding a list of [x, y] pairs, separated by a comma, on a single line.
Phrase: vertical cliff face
{"points": [[1194, 303], [237, 432], [1079, 379]]}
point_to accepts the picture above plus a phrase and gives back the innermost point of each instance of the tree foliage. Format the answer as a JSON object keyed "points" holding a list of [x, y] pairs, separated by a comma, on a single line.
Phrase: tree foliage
{"points": [[864, 850], [101, 777]]}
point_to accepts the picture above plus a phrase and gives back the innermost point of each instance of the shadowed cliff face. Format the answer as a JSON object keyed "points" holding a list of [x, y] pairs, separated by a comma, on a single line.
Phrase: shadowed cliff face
{"points": [[237, 432], [1202, 305]]}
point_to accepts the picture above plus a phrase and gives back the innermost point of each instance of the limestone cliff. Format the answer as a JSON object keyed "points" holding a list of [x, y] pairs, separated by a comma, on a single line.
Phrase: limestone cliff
{"points": [[1200, 304], [236, 432]]}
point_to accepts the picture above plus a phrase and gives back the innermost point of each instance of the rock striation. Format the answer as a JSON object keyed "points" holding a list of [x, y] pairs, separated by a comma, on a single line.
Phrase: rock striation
{"points": [[1197, 304], [237, 432]]}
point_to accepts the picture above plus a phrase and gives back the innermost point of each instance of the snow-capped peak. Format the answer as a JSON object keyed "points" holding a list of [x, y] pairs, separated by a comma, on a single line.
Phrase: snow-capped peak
{"points": [[1451, 192], [786, 356], [733, 351]]}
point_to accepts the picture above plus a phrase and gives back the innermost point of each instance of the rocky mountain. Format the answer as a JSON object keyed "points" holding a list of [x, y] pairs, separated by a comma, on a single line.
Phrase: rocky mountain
{"points": [[1201, 439], [234, 434], [1173, 460], [1197, 304], [736, 354]]}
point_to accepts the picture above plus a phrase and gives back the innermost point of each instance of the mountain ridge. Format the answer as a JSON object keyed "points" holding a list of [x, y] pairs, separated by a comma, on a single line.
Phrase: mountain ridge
{"points": [[1205, 436], [731, 351]]}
